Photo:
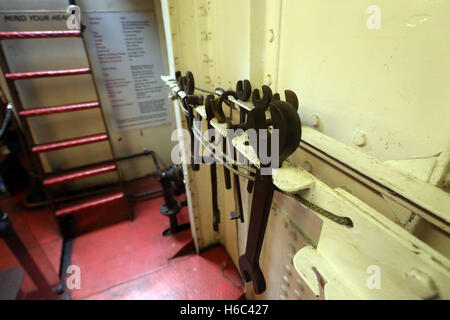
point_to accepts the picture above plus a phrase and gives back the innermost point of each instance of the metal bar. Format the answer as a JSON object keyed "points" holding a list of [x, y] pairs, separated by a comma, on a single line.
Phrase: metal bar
{"points": [[65, 262], [59, 109], [46, 74], [39, 34], [21, 253], [70, 143], [245, 105], [145, 193], [124, 158], [79, 174], [89, 204], [216, 92], [172, 84]]}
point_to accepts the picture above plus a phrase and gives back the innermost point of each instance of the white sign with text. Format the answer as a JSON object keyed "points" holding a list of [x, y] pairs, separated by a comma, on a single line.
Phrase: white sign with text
{"points": [[127, 58]]}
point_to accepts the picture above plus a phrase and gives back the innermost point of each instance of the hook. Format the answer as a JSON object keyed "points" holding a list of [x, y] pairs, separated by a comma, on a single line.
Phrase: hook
{"points": [[218, 111]]}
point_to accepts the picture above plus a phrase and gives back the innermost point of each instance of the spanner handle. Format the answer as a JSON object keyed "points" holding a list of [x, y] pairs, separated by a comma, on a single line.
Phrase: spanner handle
{"points": [[259, 215]]}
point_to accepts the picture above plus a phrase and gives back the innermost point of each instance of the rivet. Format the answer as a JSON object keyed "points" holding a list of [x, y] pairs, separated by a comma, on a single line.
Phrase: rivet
{"points": [[288, 269], [286, 279], [203, 36], [282, 297], [284, 289], [205, 58], [202, 11], [291, 257], [286, 221], [292, 247], [297, 294], [293, 235], [271, 35], [268, 79], [359, 138], [315, 120], [300, 284]]}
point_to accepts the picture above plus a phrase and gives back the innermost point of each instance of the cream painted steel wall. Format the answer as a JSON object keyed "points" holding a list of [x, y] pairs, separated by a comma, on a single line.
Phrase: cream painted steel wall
{"points": [[381, 92]]}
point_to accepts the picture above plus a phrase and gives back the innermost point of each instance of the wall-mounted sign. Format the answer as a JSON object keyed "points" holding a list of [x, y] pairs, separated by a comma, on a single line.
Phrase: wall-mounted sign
{"points": [[127, 57]]}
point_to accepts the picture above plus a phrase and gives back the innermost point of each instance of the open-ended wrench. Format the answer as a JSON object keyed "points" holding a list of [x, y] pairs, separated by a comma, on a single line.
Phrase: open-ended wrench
{"points": [[221, 118], [210, 102], [285, 119]]}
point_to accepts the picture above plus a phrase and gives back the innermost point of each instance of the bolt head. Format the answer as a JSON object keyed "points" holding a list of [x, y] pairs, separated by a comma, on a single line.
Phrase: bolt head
{"points": [[268, 80], [359, 138]]}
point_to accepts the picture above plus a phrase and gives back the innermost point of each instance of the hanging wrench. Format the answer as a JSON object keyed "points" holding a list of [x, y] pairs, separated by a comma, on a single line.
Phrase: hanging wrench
{"points": [[221, 118], [210, 102], [286, 120], [189, 103]]}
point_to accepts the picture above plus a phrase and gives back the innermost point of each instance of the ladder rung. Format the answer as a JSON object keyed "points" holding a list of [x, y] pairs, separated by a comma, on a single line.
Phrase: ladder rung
{"points": [[79, 174], [70, 143], [46, 74], [89, 204], [39, 34], [59, 109]]}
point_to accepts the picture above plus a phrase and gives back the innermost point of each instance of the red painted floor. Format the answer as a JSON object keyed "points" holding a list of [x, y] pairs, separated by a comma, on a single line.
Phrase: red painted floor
{"points": [[125, 260]]}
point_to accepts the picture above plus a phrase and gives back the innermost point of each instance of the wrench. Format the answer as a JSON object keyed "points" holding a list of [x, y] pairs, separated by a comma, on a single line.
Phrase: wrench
{"points": [[284, 117], [221, 118], [209, 105], [189, 103]]}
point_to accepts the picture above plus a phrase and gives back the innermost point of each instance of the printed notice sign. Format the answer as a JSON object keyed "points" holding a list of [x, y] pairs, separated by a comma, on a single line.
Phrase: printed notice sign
{"points": [[128, 63]]}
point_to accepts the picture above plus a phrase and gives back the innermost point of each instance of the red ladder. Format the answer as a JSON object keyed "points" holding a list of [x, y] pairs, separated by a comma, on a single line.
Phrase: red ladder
{"points": [[49, 180]]}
